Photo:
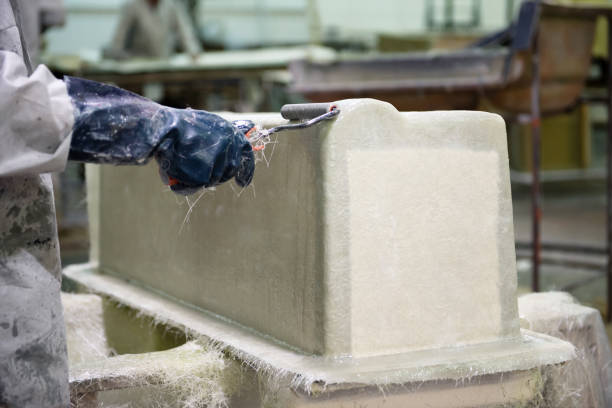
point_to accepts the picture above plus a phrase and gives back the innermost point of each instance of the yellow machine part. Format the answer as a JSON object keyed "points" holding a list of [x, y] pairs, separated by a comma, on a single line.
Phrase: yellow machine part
{"points": [[600, 46], [566, 142]]}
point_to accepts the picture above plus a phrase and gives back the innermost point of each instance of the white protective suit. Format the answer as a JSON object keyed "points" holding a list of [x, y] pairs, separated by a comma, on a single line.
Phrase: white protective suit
{"points": [[157, 32], [36, 117]]}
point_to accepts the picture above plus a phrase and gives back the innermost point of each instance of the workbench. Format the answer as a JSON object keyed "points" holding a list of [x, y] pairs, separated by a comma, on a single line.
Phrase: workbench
{"points": [[236, 76]]}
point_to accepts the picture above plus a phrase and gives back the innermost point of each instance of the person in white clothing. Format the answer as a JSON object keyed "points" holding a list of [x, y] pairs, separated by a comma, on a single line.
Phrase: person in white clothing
{"points": [[44, 122], [155, 29]]}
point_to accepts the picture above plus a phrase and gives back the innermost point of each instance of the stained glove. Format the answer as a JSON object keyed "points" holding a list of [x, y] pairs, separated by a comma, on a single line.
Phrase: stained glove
{"points": [[193, 148]]}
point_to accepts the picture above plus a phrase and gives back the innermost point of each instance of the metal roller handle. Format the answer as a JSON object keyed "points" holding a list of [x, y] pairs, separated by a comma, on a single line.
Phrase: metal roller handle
{"points": [[310, 113]]}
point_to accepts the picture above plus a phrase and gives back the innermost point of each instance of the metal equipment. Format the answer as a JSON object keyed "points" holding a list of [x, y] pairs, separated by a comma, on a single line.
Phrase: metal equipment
{"points": [[311, 113]]}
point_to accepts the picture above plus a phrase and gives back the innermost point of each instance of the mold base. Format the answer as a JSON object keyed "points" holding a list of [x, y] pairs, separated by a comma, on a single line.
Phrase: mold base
{"points": [[310, 373]]}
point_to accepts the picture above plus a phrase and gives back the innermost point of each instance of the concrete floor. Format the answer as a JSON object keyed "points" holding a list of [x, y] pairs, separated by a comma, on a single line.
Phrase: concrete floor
{"points": [[572, 213]]}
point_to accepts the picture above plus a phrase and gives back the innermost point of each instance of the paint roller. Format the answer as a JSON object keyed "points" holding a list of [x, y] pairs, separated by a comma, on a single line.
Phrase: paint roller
{"points": [[309, 114], [301, 111]]}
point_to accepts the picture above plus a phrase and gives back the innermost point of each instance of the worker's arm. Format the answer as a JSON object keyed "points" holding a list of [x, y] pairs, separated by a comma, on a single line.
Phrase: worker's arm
{"points": [[187, 32], [36, 117], [193, 148]]}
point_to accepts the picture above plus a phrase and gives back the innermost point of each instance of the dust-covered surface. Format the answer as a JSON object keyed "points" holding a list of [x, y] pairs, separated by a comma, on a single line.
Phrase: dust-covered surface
{"points": [[437, 183], [522, 389], [191, 375], [187, 376], [200, 374], [33, 362], [587, 380], [35, 121], [281, 258], [85, 335], [304, 372], [267, 309], [252, 230]]}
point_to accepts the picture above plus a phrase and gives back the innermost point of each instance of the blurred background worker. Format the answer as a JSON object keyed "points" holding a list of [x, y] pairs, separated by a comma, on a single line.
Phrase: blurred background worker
{"points": [[153, 28], [43, 122]]}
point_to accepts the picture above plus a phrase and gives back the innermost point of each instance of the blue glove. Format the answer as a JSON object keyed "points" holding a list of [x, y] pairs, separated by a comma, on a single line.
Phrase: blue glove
{"points": [[193, 148]]}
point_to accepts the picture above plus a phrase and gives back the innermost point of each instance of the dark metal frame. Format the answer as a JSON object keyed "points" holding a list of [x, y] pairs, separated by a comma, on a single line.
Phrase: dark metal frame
{"points": [[609, 173], [536, 207], [536, 116]]}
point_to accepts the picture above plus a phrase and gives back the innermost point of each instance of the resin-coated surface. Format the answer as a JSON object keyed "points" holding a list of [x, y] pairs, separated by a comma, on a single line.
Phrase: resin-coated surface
{"points": [[377, 233], [291, 369]]}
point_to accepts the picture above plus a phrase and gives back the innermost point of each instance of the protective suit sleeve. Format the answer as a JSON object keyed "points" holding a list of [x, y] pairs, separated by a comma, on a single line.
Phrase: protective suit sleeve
{"points": [[194, 148], [36, 117]]}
